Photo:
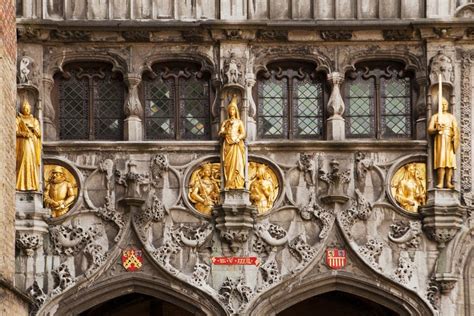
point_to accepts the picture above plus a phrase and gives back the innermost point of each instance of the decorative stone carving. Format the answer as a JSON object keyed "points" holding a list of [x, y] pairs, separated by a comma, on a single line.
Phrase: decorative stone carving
{"points": [[193, 237], [62, 279], [233, 34], [336, 35], [337, 182], [94, 257], [38, 296], [324, 216], [131, 180], [360, 209], [233, 70], [307, 165], [25, 66], [159, 165], [303, 252], [69, 240], [272, 235], [133, 109], [136, 36], [466, 11], [404, 272], [165, 253], [109, 213], [200, 274], [272, 35], [466, 120], [28, 243], [194, 35], [270, 274], [371, 252], [443, 215], [28, 33], [441, 64], [362, 166], [336, 107], [152, 214], [407, 235], [433, 294], [398, 35], [235, 295], [70, 35]]}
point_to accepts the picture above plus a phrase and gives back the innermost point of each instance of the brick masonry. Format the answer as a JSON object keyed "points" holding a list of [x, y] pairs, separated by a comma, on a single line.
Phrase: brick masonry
{"points": [[10, 304]]}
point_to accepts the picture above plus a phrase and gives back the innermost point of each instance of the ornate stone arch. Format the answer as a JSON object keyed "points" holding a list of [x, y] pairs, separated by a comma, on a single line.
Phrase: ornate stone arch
{"points": [[395, 297], [207, 64], [87, 297]]}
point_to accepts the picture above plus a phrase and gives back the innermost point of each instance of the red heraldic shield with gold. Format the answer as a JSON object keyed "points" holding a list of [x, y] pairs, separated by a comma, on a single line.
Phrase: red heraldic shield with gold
{"points": [[336, 258], [132, 259]]}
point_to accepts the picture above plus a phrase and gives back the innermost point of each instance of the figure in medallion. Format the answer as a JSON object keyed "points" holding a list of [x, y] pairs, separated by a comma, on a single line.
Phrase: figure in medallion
{"points": [[204, 188], [445, 129], [233, 148], [409, 186], [28, 150], [263, 186], [59, 193]]}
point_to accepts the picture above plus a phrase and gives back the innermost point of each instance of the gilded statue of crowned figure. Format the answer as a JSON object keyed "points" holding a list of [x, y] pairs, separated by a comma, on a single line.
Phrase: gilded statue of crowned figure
{"points": [[445, 129], [233, 148], [28, 150]]}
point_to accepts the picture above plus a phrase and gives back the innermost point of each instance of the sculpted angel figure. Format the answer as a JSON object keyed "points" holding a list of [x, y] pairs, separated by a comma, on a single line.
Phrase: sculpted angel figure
{"points": [[28, 150], [204, 189], [445, 129], [410, 191], [233, 148]]}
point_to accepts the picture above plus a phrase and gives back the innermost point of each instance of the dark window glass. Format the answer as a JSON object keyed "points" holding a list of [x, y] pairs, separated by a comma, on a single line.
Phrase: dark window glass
{"points": [[378, 102], [91, 100], [290, 102], [177, 102]]}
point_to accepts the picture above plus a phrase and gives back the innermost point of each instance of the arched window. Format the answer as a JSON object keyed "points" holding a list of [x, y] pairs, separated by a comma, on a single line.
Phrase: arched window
{"points": [[90, 100], [291, 98], [177, 102], [378, 101]]}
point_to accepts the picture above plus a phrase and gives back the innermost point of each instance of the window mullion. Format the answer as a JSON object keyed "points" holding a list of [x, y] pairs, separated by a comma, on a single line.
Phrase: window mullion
{"points": [[91, 109], [177, 108], [289, 107], [378, 109]]}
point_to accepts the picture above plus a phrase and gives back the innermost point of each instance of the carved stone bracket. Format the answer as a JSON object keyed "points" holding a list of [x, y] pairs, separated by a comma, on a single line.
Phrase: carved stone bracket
{"points": [[441, 64], [443, 215], [28, 243], [235, 217], [337, 182], [336, 107], [132, 180]]}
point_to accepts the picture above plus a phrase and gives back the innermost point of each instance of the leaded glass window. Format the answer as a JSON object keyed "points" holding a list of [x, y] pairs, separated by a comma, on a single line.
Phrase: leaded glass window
{"points": [[378, 102], [290, 102], [90, 99], [177, 102]]}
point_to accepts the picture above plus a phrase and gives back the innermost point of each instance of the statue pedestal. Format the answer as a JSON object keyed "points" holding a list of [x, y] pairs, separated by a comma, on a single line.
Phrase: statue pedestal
{"points": [[30, 212], [235, 217], [443, 215]]}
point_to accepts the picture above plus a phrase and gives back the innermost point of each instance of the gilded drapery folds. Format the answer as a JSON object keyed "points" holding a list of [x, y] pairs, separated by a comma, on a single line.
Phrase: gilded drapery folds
{"points": [[28, 149], [233, 148]]}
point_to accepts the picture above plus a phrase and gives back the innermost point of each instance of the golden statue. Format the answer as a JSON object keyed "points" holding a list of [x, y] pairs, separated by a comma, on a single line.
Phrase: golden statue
{"points": [[409, 186], [263, 186], [204, 187], [233, 148], [446, 142], [60, 192], [28, 150]]}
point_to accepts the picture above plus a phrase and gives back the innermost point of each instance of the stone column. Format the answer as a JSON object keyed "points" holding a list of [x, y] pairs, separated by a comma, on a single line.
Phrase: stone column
{"points": [[336, 107], [251, 124], [420, 128], [49, 114], [134, 110]]}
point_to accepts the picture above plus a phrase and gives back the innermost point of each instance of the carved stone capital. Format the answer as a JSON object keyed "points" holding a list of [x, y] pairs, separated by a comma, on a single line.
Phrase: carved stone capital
{"points": [[28, 243], [443, 215], [446, 282], [133, 106], [235, 218]]}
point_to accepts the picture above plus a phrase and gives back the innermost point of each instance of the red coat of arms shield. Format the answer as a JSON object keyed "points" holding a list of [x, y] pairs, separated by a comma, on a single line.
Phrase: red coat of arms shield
{"points": [[336, 258], [132, 259]]}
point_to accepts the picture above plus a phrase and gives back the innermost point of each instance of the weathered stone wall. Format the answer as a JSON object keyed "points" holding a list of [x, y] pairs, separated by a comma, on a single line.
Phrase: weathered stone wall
{"points": [[10, 302]]}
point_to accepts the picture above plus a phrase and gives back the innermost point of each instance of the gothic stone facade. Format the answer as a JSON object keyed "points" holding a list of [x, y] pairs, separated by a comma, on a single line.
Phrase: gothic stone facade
{"points": [[93, 71]]}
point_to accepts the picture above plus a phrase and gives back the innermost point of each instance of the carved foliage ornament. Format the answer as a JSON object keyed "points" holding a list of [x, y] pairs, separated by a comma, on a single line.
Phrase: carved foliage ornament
{"points": [[441, 64]]}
